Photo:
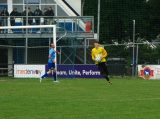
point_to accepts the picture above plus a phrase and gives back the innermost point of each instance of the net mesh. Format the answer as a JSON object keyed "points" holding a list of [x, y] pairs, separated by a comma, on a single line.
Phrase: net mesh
{"points": [[24, 50], [117, 16]]}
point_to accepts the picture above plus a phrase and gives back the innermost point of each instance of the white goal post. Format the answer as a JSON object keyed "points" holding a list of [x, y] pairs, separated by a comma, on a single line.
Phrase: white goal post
{"points": [[53, 27]]}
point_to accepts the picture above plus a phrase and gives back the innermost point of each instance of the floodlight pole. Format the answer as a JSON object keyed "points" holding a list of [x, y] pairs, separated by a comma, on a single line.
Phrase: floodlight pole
{"points": [[133, 58], [98, 20]]}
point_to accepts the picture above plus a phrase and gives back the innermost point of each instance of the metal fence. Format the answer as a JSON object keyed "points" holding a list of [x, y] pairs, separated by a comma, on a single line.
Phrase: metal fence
{"points": [[120, 60], [74, 24]]}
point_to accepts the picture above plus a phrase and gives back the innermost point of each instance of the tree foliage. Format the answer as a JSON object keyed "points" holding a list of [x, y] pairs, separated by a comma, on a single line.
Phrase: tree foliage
{"points": [[116, 20], [116, 23]]}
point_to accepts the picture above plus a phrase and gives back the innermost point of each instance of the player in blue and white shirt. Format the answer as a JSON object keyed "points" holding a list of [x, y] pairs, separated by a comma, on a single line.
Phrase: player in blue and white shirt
{"points": [[51, 63]]}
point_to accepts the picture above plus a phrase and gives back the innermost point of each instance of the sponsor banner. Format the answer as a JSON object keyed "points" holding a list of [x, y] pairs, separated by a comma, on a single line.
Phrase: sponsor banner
{"points": [[28, 71], [77, 71], [148, 72], [63, 71]]}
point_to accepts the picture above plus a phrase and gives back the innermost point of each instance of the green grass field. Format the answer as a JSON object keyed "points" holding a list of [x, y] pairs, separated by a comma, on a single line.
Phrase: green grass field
{"points": [[79, 99]]}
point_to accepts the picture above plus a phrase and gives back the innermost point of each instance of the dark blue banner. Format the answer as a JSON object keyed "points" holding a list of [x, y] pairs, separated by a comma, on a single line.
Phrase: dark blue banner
{"points": [[77, 71]]}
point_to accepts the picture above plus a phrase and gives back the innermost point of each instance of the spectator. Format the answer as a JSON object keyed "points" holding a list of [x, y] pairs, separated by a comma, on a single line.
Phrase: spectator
{"points": [[5, 15], [13, 15], [45, 18], [24, 16], [37, 12], [50, 20], [30, 13], [50, 13], [0, 21], [45, 15]]}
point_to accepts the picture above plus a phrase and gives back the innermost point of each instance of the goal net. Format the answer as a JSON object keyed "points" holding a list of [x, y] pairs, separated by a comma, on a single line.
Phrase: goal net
{"points": [[25, 47]]}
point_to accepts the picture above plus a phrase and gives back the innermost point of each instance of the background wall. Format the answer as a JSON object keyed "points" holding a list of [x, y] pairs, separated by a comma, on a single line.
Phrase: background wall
{"points": [[75, 4]]}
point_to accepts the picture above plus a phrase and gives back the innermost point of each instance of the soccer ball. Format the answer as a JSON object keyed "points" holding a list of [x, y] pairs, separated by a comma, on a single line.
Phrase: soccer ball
{"points": [[98, 58]]}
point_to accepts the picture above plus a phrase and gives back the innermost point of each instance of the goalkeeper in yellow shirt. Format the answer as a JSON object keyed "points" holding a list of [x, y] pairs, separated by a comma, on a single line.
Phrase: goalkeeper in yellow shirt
{"points": [[99, 55]]}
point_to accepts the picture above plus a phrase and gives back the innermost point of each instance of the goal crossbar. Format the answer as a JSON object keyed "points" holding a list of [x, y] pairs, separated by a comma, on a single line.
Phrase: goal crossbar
{"points": [[29, 26]]}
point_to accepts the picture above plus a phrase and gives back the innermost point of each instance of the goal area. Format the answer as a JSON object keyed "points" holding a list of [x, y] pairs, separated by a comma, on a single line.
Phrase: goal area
{"points": [[26, 47]]}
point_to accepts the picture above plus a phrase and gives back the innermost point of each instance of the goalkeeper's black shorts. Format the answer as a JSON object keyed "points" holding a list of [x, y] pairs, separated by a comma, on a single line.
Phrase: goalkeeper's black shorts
{"points": [[103, 68]]}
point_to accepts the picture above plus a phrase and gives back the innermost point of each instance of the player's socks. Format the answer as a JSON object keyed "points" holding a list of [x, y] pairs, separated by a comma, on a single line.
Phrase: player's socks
{"points": [[45, 75], [55, 77], [108, 80]]}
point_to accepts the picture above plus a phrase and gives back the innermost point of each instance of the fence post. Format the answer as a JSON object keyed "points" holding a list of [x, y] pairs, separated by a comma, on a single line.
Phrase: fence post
{"points": [[26, 51], [137, 59], [133, 58], [85, 52]]}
